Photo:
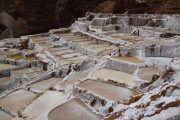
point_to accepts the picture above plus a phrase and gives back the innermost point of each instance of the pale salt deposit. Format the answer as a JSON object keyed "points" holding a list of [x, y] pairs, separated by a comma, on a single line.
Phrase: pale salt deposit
{"points": [[109, 74]]}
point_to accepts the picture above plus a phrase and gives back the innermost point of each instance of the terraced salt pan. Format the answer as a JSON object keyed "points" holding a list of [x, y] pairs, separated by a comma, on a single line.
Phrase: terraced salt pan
{"points": [[28, 51], [76, 76], [19, 57], [80, 40], [45, 45], [101, 49], [85, 42], [106, 52], [75, 39], [73, 60], [45, 85], [130, 38], [109, 91], [155, 42], [157, 29], [5, 80], [39, 39], [62, 52], [177, 77], [35, 74], [39, 109], [128, 59], [70, 36], [92, 46], [17, 100], [75, 36], [6, 66], [42, 40], [57, 49], [72, 39], [147, 73], [12, 51], [42, 43], [5, 116], [64, 34], [19, 73], [70, 55], [73, 110], [108, 47], [109, 74], [79, 58], [72, 79]]}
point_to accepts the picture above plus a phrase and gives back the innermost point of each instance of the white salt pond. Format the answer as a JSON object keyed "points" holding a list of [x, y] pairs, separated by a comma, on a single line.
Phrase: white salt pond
{"points": [[5, 81], [4, 66], [128, 59], [73, 110], [45, 85], [109, 74], [39, 108], [5, 116], [17, 100], [176, 77], [147, 73], [109, 91]]}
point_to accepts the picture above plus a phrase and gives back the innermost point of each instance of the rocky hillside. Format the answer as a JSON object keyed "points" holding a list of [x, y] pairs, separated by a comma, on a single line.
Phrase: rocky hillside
{"points": [[36, 16]]}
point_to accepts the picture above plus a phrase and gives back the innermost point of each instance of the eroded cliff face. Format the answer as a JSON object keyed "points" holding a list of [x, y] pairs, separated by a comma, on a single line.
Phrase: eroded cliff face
{"points": [[37, 16]]}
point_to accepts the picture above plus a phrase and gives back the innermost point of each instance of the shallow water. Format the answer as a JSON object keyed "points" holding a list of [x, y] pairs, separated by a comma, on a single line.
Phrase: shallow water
{"points": [[73, 110], [147, 73], [109, 91], [107, 74]]}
